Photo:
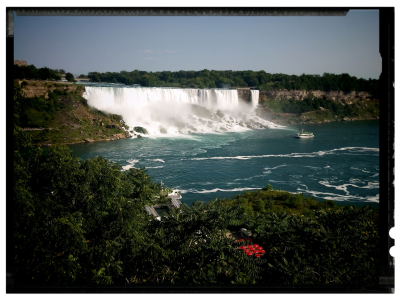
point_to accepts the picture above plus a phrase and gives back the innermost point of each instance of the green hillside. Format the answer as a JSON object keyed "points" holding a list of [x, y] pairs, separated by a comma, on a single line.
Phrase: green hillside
{"points": [[62, 116]]}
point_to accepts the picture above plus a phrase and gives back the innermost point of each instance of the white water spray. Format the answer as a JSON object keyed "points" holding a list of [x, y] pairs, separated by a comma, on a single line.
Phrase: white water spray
{"points": [[170, 111], [254, 97]]}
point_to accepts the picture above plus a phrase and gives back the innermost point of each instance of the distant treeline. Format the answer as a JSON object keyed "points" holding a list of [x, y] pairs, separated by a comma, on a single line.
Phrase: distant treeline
{"points": [[223, 79], [31, 72]]}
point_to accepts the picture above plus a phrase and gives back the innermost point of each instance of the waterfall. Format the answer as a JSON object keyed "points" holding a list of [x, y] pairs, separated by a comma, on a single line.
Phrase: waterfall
{"points": [[254, 97], [174, 111]]}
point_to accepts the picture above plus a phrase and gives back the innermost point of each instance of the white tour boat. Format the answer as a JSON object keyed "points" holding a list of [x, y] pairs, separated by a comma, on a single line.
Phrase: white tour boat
{"points": [[304, 135]]}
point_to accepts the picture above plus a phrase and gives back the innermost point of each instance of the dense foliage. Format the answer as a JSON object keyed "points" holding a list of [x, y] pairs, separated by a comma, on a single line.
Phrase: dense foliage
{"points": [[189, 246], [84, 222], [310, 241], [69, 77], [38, 111], [31, 72], [223, 79], [314, 104]]}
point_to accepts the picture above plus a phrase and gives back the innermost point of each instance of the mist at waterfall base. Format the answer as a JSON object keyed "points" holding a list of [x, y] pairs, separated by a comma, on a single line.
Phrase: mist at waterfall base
{"points": [[236, 151]]}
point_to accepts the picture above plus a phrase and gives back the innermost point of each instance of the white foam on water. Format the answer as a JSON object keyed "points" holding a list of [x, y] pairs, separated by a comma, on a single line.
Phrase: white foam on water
{"points": [[362, 170], [249, 178], [158, 159], [292, 155], [211, 158], [356, 180], [268, 170], [338, 197], [312, 167], [195, 191], [373, 198], [343, 187], [131, 164]]}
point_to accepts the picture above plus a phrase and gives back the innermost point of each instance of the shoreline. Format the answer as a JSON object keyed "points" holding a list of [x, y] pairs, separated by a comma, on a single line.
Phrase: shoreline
{"points": [[123, 136], [294, 119], [83, 141]]}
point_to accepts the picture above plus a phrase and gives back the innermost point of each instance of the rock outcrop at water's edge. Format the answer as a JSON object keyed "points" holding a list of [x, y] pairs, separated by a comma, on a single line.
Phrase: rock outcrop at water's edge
{"points": [[111, 138]]}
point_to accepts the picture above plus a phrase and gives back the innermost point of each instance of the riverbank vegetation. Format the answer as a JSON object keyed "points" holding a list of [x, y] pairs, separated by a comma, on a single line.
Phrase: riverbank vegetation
{"points": [[61, 117], [314, 110], [84, 222], [223, 79]]}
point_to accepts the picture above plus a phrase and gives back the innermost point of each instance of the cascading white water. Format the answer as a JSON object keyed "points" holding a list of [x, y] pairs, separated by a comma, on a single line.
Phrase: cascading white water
{"points": [[170, 111], [254, 97]]}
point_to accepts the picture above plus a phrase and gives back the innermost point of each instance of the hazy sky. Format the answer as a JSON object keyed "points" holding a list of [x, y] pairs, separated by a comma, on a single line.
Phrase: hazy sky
{"points": [[289, 45]]}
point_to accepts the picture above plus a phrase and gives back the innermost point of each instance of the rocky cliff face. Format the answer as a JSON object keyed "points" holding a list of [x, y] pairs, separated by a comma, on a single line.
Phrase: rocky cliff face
{"points": [[244, 94], [301, 95], [42, 88]]}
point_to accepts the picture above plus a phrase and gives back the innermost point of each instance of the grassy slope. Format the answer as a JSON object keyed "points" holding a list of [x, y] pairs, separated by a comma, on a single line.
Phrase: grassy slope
{"points": [[76, 122]]}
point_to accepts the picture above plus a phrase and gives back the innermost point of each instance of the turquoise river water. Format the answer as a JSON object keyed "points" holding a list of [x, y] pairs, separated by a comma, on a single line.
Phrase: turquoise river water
{"points": [[340, 163]]}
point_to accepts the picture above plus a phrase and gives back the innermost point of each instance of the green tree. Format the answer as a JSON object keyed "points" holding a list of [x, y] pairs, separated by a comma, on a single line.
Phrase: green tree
{"points": [[76, 222], [259, 206], [189, 246], [69, 77]]}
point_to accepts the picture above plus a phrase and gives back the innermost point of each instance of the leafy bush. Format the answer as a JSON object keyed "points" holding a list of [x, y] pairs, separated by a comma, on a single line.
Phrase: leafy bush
{"points": [[69, 77], [38, 111], [335, 246], [140, 130]]}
